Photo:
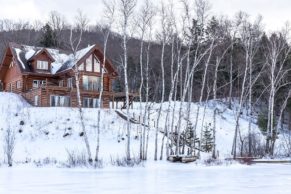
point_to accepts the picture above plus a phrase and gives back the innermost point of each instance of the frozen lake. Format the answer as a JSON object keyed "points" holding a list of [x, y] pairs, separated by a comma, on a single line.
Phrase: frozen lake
{"points": [[154, 178]]}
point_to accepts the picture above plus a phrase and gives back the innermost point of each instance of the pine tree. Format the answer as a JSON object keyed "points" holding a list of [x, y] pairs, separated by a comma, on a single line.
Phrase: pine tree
{"points": [[48, 37], [190, 139], [207, 138]]}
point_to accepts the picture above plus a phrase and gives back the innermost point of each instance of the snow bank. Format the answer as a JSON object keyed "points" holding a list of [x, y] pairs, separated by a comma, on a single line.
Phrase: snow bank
{"points": [[43, 133]]}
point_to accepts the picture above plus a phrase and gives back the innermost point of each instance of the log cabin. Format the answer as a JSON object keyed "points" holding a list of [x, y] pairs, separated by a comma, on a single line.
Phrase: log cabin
{"points": [[45, 77]]}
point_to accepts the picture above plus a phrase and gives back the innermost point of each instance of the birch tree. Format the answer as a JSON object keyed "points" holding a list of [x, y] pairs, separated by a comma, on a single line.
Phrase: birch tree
{"points": [[278, 51], [163, 39], [109, 14], [126, 10], [75, 41], [172, 39], [250, 36], [245, 38], [144, 18]]}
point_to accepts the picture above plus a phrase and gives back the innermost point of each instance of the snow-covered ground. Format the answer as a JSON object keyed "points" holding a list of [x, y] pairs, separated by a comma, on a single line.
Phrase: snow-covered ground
{"points": [[159, 178], [45, 135]]}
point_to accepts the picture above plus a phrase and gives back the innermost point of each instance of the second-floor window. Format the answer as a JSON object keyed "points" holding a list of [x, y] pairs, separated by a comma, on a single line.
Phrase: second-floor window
{"points": [[61, 83], [91, 83], [81, 67], [96, 65], [89, 64], [42, 65], [38, 83], [92, 64], [70, 82]]}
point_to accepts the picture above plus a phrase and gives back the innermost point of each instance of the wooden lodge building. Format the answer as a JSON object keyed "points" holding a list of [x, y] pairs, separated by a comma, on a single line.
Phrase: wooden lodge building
{"points": [[46, 77]]}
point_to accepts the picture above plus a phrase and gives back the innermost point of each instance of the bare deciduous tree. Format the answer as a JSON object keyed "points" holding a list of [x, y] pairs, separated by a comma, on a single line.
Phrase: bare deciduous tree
{"points": [[75, 41], [126, 9]]}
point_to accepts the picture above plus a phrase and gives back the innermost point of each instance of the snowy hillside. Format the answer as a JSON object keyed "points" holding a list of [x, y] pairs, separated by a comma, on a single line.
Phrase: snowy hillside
{"points": [[49, 133]]}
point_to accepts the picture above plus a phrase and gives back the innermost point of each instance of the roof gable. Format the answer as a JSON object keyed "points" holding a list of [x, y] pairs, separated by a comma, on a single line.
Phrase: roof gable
{"points": [[99, 54], [38, 53], [83, 54]]}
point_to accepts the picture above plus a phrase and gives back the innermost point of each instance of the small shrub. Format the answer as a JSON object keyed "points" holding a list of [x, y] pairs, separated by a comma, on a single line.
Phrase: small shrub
{"points": [[21, 123], [76, 159], [42, 162], [123, 162], [263, 122], [99, 164], [47, 161], [212, 162], [81, 134], [258, 147]]}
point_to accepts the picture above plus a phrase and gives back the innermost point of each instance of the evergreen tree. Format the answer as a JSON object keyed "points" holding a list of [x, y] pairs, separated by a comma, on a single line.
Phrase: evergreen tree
{"points": [[189, 137], [207, 138], [48, 37]]}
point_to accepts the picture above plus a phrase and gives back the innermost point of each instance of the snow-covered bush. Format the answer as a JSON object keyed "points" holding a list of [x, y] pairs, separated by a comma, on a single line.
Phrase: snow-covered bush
{"points": [[123, 162], [45, 161], [258, 146], [212, 162], [76, 159], [285, 144]]}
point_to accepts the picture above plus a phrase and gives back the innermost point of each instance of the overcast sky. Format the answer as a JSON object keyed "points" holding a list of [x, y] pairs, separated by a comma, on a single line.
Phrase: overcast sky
{"points": [[274, 12]]}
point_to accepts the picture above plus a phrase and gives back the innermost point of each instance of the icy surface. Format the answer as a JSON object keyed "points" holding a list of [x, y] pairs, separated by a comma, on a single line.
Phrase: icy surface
{"points": [[154, 178]]}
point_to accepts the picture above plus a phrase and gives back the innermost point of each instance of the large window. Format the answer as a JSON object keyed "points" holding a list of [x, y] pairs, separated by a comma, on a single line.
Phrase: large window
{"points": [[92, 64], [60, 101], [91, 83], [90, 102], [89, 64], [43, 65], [61, 83], [81, 67], [70, 82], [96, 65], [38, 83]]}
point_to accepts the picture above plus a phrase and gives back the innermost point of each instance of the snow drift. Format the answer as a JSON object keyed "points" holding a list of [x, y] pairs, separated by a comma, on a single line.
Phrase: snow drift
{"points": [[50, 133]]}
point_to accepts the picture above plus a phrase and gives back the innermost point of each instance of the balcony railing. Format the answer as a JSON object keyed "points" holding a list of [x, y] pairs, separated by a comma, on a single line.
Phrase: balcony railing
{"points": [[56, 87]]}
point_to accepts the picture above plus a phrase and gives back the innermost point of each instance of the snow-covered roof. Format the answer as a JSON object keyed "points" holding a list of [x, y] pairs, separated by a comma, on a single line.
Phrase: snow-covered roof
{"points": [[69, 63], [61, 60]]}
